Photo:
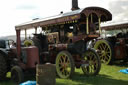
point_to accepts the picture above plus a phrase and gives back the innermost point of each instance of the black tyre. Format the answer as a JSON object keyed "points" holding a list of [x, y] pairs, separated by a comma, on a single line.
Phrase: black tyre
{"points": [[3, 67], [17, 75], [64, 64], [94, 63]]}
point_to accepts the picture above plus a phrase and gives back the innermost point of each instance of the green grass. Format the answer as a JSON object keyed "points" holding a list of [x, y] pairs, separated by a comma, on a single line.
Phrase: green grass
{"points": [[109, 75]]}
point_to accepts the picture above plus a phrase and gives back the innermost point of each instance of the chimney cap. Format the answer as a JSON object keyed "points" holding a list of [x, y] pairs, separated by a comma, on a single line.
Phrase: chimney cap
{"points": [[75, 5]]}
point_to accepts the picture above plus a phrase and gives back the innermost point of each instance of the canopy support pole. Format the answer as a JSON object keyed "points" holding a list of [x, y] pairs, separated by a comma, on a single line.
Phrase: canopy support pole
{"points": [[25, 34], [87, 29], [99, 19]]}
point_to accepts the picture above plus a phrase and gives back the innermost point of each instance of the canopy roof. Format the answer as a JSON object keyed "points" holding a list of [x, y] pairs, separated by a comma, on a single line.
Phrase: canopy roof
{"points": [[66, 17], [117, 26]]}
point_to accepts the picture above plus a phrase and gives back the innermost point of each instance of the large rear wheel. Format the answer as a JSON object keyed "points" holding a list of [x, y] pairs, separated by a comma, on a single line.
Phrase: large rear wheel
{"points": [[94, 63], [3, 67], [64, 64], [105, 51]]}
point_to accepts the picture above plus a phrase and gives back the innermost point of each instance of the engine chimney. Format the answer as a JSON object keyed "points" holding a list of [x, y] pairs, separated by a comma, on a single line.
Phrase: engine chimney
{"points": [[75, 5]]}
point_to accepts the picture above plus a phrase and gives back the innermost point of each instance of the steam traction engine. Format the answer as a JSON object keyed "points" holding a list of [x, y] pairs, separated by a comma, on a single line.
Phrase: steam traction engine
{"points": [[62, 41], [114, 45]]}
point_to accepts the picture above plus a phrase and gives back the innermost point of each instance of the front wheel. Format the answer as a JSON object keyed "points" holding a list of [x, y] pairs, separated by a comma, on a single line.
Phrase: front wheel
{"points": [[64, 64], [17, 74], [94, 63]]}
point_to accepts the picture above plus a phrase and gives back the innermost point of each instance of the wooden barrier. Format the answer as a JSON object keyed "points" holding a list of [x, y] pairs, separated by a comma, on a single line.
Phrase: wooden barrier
{"points": [[46, 74]]}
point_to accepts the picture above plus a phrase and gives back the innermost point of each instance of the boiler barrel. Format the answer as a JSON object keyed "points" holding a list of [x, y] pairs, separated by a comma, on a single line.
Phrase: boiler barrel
{"points": [[46, 74]]}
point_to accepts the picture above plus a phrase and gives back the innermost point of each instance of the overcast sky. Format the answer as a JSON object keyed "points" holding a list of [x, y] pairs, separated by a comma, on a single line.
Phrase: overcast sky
{"points": [[13, 12]]}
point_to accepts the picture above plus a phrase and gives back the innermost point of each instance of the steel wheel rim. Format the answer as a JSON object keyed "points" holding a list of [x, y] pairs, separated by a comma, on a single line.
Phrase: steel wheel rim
{"points": [[104, 51], [93, 63], [63, 65]]}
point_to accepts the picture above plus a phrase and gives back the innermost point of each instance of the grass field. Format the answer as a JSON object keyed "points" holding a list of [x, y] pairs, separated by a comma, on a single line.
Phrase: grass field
{"points": [[109, 75]]}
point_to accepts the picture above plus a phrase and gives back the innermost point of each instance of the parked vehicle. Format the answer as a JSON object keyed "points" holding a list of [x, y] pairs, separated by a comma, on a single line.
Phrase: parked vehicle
{"points": [[113, 47], [6, 56], [62, 41]]}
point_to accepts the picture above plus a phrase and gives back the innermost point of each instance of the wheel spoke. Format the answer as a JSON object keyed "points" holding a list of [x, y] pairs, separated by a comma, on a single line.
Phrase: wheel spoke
{"points": [[60, 67], [100, 47], [106, 49], [103, 46], [67, 64], [61, 60], [107, 52], [91, 69], [106, 58], [62, 70], [100, 53]]}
